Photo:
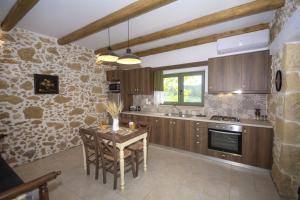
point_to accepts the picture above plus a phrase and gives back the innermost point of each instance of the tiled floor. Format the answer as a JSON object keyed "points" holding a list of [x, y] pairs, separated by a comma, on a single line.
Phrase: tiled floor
{"points": [[171, 175]]}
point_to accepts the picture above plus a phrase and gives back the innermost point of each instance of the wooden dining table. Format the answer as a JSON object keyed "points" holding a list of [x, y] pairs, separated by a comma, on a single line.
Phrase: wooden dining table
{"points": [[124, 137]]}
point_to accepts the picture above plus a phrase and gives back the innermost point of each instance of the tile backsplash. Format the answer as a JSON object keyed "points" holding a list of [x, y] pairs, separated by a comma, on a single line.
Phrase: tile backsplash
{"points": [[240, 105]]}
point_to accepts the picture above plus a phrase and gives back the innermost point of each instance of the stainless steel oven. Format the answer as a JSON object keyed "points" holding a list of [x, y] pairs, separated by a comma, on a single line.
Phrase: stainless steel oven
{"points": [[225, 137]]}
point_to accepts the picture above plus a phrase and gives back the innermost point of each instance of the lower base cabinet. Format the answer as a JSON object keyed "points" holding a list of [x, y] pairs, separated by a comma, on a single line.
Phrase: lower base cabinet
{"points": [[196, 137], [257, 146], [193, 136]]}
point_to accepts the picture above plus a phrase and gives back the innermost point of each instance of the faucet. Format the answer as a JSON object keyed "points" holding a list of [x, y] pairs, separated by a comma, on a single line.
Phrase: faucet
{"points": [[179, 111]]}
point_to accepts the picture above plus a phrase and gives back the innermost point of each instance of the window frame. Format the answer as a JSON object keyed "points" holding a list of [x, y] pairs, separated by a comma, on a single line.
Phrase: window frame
{"points": [[181, 88]]}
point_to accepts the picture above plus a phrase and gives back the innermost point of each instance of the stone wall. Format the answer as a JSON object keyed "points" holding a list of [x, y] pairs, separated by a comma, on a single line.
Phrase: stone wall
{"points": [[40, 125], [281, 16], [286, 151], [240, 105], [284, 110]]}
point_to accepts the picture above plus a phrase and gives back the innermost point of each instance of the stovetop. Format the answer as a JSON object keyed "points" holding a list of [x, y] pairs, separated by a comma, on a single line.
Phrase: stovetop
{"points": [[225, 118]]}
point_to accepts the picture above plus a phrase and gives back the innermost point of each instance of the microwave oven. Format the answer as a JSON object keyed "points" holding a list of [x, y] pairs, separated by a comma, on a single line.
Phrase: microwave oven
{"points": [[114, 87]]}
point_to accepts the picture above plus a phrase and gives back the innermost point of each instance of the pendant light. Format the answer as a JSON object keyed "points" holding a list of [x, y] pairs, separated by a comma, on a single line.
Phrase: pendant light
{"points": [[109, 55], [129, 58]]}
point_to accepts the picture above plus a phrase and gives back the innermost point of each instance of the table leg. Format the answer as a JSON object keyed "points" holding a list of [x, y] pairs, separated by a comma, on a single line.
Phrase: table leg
{"points": [[145, 152], [84, 158], [122, 168]]}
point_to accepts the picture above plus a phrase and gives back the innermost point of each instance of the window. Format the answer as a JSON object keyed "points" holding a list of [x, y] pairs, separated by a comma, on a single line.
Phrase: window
{"points": [[184, 88]]}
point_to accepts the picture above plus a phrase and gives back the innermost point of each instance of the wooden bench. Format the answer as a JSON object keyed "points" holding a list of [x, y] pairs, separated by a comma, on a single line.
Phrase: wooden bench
{"points": [[12, 186]]}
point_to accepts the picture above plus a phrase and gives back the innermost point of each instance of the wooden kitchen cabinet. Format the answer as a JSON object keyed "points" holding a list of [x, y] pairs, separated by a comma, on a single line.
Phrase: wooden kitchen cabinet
{"points": [[178, 132], [255, 72], [126, 117], [139, 81], [168, 132], [193, 136], [233, 73], [155, 135], [257, 146], [164, 132], [247, 72], [113, 75], [196, 137], [145, 82], [215, 75]]}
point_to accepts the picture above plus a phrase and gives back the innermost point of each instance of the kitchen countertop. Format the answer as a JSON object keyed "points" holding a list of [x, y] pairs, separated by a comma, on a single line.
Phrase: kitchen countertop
{"points": [[243, 122]]}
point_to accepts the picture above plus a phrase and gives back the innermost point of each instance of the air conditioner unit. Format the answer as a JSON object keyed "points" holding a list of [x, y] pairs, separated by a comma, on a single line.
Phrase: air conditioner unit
{"points": [[244, 42]]}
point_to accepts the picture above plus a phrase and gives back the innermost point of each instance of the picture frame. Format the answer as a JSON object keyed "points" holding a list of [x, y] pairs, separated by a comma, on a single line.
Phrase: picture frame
{"points": [[46, 84]]}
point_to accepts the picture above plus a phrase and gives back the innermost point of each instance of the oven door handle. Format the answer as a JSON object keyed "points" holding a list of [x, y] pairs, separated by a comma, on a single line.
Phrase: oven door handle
{"points": [[227, 133]]}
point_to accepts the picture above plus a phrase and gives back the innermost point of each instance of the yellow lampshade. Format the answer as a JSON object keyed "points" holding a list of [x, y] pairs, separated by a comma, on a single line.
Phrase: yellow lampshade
{"points": [[129, 59], [108, 56]]}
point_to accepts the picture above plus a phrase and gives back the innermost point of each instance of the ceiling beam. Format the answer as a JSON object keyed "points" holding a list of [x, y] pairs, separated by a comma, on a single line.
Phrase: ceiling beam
{"points": [[243, 10], [137, 8], [201, 40], [16, 13]]}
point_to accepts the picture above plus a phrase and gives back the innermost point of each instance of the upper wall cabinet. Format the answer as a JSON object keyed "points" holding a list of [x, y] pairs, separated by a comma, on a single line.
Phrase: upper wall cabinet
{"points": [[138, 81], [248, 73], [113, 75]]}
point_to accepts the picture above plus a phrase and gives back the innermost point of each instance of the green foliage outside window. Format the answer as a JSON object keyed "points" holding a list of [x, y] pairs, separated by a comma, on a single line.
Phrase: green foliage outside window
{"points": [[184, 88]]}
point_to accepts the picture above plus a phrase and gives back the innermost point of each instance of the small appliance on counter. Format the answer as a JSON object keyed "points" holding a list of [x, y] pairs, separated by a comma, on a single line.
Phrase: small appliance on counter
{"points": [[135, 108]]}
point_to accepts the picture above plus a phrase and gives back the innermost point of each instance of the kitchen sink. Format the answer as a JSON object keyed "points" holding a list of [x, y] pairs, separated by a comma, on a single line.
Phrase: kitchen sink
{"points": [[177, 115]]}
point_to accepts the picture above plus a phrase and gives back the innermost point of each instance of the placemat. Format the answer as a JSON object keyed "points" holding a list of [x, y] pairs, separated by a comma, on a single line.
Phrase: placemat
{"points": [[122, 131]]}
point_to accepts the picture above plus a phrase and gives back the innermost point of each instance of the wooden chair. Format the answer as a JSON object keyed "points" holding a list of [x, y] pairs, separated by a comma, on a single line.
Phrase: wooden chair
{"points": [[138, 147], [91, 151], [124, 122], [40, 183], [110, 158]]}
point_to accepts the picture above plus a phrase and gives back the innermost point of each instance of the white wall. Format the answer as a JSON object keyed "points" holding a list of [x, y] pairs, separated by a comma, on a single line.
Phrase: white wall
{"points": [[186, 55]]}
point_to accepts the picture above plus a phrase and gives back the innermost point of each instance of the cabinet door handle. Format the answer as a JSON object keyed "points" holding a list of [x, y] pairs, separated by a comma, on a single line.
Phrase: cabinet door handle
{"points": [[197, 135], [197, 129], [245, 131], [170, 122], [223, 155], [174, 122], [198, 142], [197, 123]]}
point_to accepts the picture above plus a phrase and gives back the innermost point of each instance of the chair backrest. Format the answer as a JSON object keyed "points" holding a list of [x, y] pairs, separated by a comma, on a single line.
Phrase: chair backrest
{"points": [[124, 122], [107, 146], [146, 126], [88, 138]]}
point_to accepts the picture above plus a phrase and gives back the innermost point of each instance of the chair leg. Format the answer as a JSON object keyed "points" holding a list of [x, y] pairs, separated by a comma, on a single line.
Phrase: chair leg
{"points": [[87, 167], [132, 166], [136, 163], [115, 180], [97, 169], [104, 172], [115, 175]]}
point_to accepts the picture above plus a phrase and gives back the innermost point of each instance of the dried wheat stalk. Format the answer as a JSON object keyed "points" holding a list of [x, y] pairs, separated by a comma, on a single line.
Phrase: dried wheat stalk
{"points": [[113, 109]]}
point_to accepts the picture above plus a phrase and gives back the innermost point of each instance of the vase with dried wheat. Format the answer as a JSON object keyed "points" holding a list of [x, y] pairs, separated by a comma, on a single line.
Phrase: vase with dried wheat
{"points": [[114, 110]]}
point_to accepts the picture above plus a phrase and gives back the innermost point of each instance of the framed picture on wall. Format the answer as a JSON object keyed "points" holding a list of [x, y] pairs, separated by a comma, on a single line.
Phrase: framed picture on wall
{"points": [[46, 84]]}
